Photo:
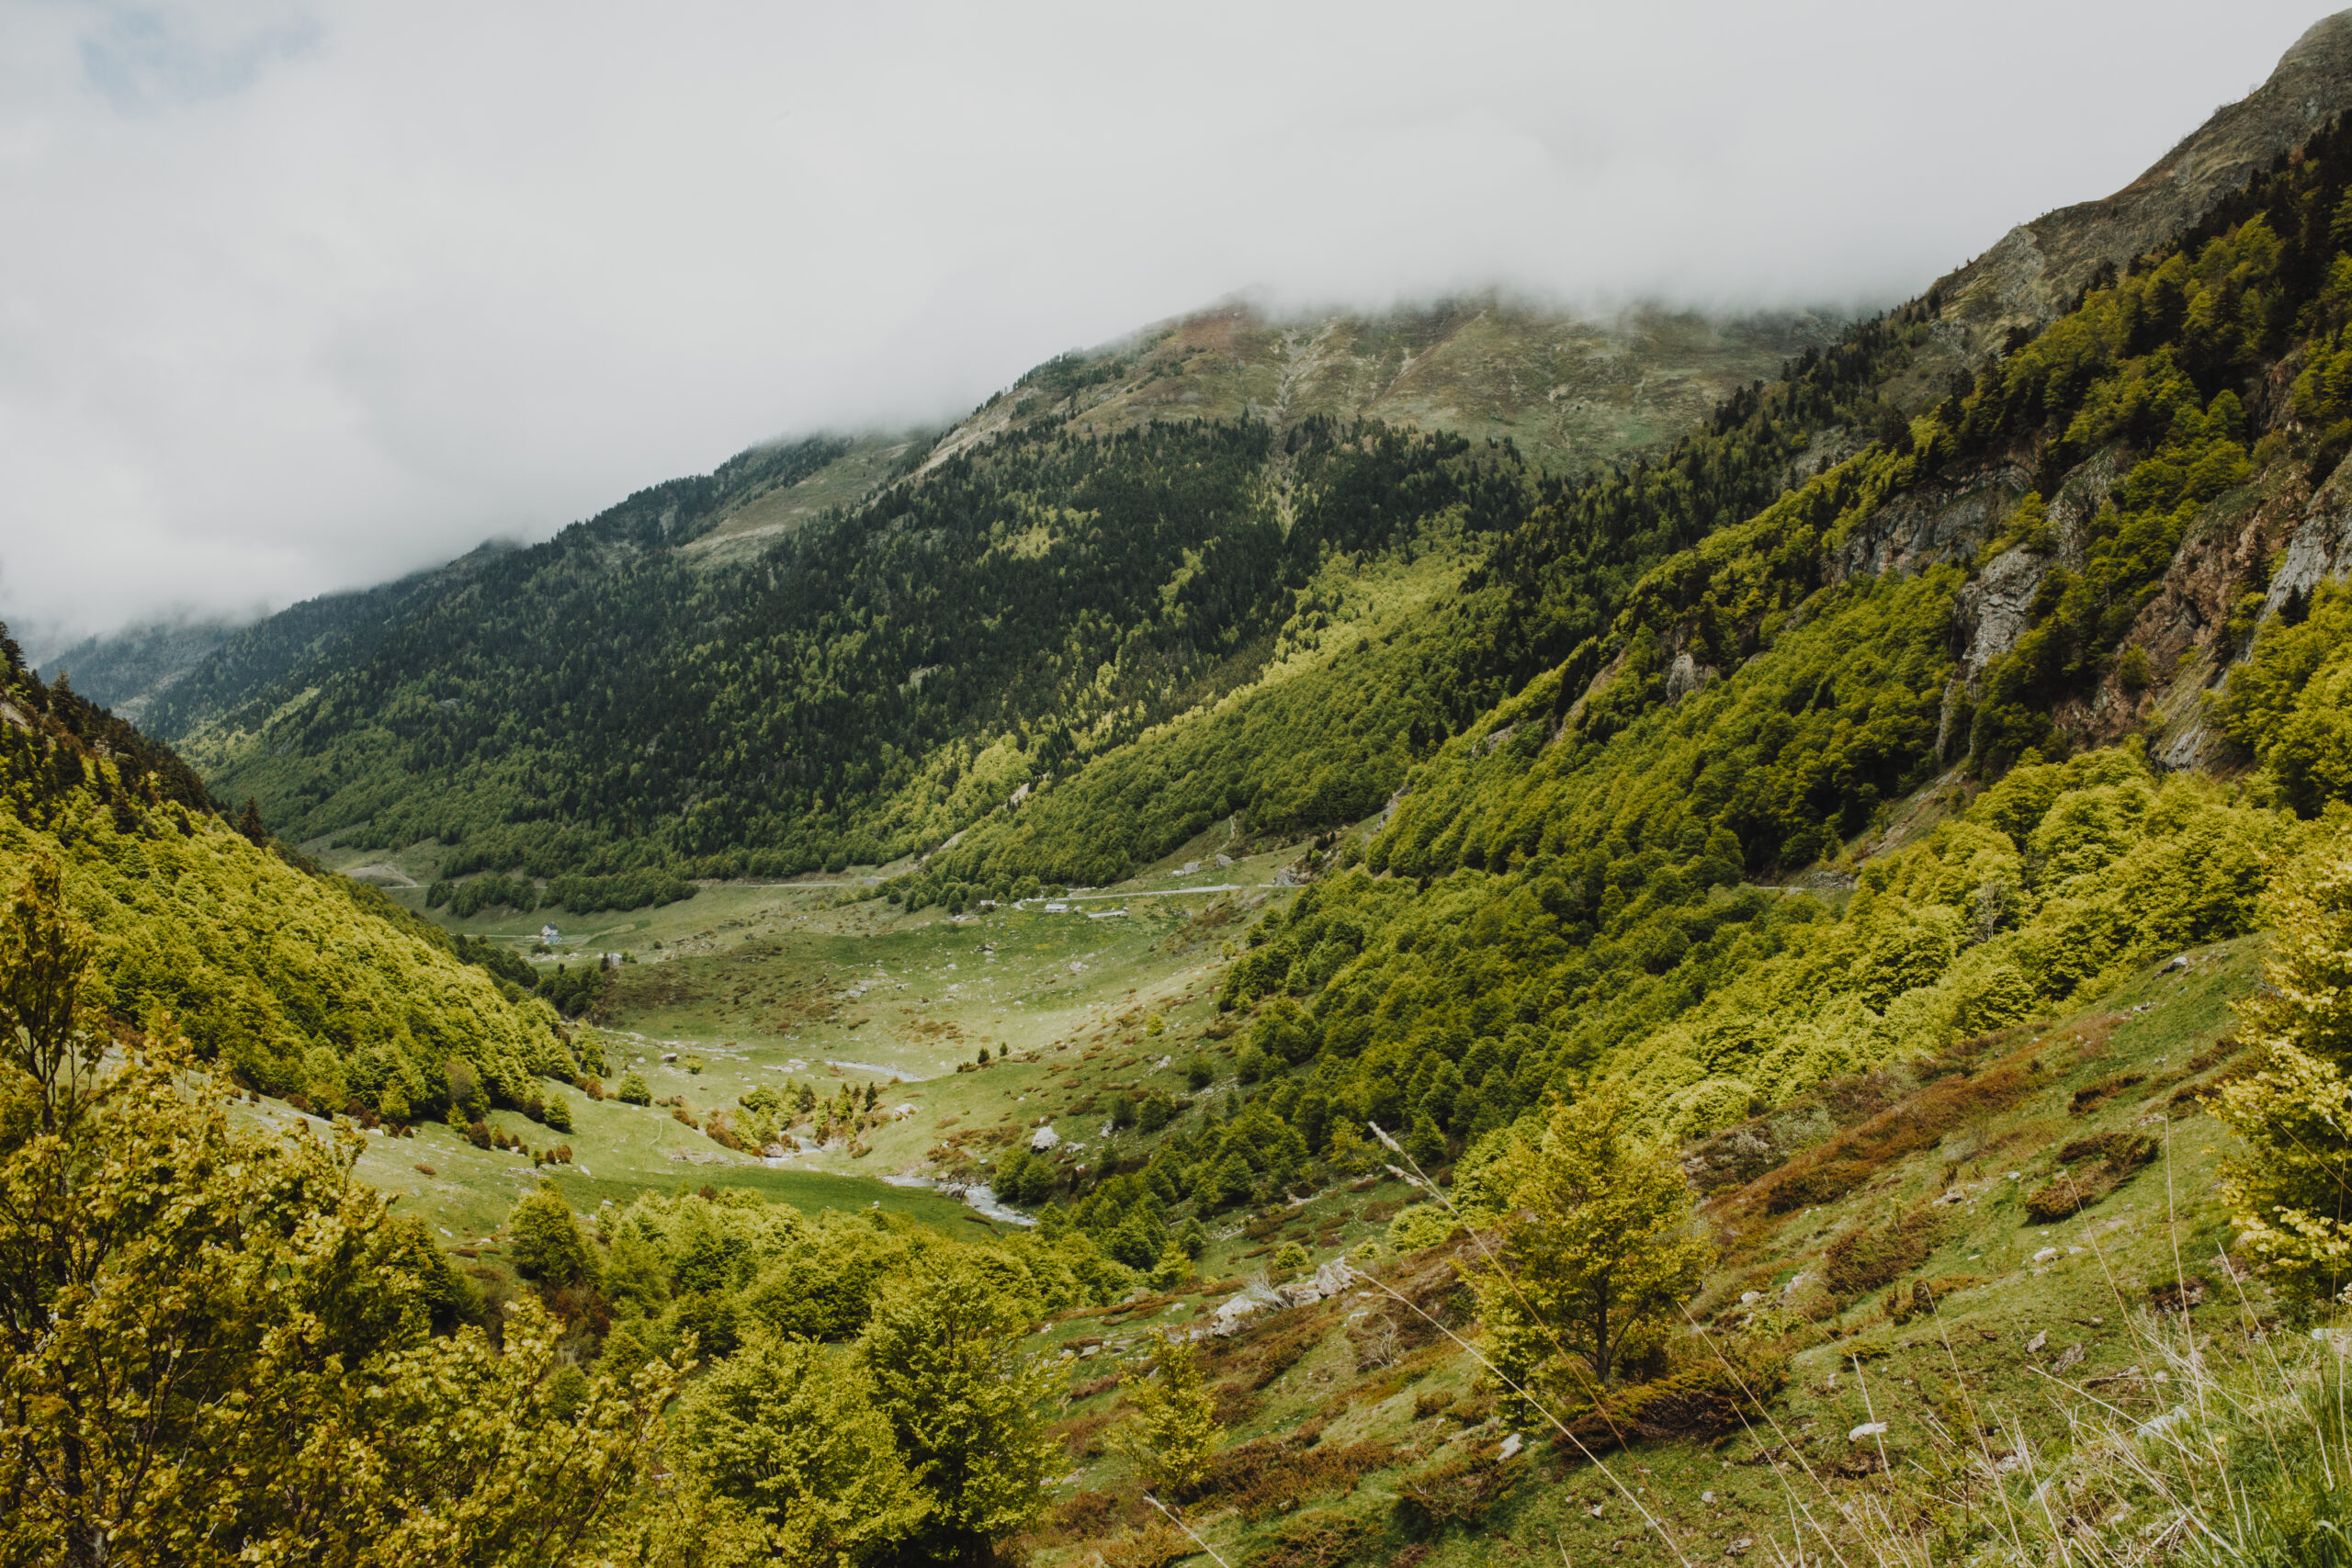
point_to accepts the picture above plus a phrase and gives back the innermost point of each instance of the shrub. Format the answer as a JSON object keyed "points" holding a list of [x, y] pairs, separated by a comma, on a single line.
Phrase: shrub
{"points": [[557, 1113], [2099, 1166], [1459, 1489], [1156, 1545], [1268, 1475], [1173, 1436], [1919, 1298], [2090, 1097], [547, 1242], [1862, 1260], [1423, 1225], [1320, 1537], [633, 1089], [1720, 1390]]}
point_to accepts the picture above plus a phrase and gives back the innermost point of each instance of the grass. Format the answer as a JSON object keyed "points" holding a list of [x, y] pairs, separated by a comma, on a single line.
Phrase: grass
{"points": [[1999, 1353], [1884, 1244], [766, 984]]}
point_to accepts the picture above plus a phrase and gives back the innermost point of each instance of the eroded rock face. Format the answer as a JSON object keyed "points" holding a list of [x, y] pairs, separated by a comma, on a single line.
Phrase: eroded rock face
{"points": [[1930, 527], [2320, 549], [1995, 610], [1686, 676], [2033, 275]]}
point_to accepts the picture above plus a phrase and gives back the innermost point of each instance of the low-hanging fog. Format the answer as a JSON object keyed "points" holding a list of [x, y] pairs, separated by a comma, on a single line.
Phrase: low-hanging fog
{"points": [[299, 296]]}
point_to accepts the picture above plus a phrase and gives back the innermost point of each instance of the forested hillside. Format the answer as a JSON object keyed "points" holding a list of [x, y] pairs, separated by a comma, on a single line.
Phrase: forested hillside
{"points": [[886, 633], [599, 703], [1782, 996], [288, 981]]}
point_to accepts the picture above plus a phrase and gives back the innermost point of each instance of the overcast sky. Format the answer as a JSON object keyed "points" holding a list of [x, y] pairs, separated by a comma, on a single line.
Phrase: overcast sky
{"points": [[299, 296]]}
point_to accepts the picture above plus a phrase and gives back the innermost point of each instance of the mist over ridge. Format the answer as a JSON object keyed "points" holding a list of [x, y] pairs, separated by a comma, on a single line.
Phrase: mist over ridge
{"points": [[421, 296]]}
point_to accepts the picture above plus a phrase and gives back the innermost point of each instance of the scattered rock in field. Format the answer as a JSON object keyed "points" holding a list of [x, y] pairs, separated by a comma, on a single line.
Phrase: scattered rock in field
{"points": [[1044, 1138], [2046, 1254], [1867, 1429], [2034, 1345]]}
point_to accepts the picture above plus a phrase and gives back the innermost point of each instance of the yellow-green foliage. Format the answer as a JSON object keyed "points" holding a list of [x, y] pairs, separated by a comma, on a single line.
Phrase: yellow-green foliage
{"points": [[1797, 751], [1173, 1433], [2288, 1187], [2290, 702], [784, 1437], [724, 1265], [2058, 878], [1468, 1003], [220, 1346], [280, 976], [1597, 1252]]}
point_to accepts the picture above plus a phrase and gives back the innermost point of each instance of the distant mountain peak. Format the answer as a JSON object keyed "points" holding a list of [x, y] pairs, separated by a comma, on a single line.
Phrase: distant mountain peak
{"points": [[2036, 271]]}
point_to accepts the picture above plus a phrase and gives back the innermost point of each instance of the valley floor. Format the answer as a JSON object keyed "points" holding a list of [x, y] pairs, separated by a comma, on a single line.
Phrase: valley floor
{"points": [[1922, 1297]]}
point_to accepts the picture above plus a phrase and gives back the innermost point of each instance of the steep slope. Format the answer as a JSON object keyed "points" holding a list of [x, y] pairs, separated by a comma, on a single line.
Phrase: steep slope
{"points": [[298, 984], [128, 671], [2038, 269], [1876, 769], [583, 679]]}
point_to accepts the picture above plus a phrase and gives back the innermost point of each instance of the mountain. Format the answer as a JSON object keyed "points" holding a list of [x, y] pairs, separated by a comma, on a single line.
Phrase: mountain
{"points": [[1634, 962], [2038, 269], [125, 672], [847, 651], [294, 982]]}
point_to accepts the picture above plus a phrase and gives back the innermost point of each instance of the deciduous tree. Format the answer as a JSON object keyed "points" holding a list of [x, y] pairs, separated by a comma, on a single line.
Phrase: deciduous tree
{"points": [[965, 1403], [1596, 1248]]}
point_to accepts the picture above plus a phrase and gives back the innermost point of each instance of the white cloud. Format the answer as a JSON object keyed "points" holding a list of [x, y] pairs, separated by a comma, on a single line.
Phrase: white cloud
{"points": [[299, 296]]}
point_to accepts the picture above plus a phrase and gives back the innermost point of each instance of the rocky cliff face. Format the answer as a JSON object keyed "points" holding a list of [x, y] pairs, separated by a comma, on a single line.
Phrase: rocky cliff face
{"points": [[2036, 271]]}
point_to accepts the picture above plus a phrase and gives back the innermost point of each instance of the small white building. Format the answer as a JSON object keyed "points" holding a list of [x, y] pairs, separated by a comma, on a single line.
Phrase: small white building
{"points": [[549, 935]]}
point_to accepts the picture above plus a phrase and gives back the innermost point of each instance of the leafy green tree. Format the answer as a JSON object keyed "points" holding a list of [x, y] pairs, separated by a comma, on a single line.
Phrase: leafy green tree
{"points": [[1172, 1268], [965, 1403], [633, 1089], [1173, 1434], [1597, 1249], [546, 1241], [787, 1431], [2289, 1189], [1424, 1142], [216, 1345]]}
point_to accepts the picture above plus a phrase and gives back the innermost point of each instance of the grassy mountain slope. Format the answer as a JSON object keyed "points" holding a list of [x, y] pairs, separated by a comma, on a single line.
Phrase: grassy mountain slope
{"points": [[1570, 393], [1878, 798]]}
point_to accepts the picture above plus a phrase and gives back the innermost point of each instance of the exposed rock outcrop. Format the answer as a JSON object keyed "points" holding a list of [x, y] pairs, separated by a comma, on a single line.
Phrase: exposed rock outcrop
{"points": [[2036, 271]]}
